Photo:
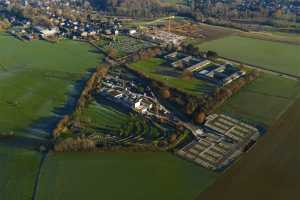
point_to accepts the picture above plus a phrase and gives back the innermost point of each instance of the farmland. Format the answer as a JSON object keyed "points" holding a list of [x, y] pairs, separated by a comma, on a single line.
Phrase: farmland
{"points": [[18, 168], [264, 100], [155, 68], [121, 176], [270, 170], [276, 56], [38, 78]]}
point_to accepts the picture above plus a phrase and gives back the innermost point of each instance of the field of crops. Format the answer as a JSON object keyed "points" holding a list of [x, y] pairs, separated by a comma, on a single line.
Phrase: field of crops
{"points": [[124, 45], [38, 79], [277, 56], [270, 170], [156, 69], [133, 176], [18, 169], [264, 100]]}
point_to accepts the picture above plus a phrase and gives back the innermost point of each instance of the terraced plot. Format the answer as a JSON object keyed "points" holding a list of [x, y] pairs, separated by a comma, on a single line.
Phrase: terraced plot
{"points": [[105, 118], [124, 45]]}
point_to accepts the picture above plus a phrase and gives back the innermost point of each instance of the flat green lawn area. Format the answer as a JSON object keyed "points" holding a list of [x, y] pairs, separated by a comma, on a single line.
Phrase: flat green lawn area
{"points": [[114, 176], [272, 55], [264, 100], [104, 117], [18, 169], [36, 79], [156, 69]]}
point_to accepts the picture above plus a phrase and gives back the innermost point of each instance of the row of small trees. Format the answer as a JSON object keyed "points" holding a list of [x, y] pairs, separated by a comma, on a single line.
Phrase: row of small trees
{"points": [[192, 106], [85, 96], [75, 144]]}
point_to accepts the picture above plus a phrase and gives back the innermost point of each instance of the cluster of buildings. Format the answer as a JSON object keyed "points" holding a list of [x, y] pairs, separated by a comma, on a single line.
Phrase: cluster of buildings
{"points": [[221, 140], [204, 69], [220, 74], [163, 37], [124, 94], [182, 61], [56, 23], [68, 28]]}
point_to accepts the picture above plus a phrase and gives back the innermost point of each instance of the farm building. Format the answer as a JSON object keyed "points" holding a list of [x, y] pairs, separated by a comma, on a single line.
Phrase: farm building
{"points": [[219, 74], [45, 32], [182, 61]]}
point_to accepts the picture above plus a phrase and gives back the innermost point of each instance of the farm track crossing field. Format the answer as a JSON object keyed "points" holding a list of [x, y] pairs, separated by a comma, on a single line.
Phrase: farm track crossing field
{"points": [[276, 56], [37, 79], [270, 170], [264, 100], [156, 69], [111, 176], [18, 169]]}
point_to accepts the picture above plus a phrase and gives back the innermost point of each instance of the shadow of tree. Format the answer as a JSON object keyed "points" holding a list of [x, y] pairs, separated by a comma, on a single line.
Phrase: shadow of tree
{"points": [[43, 127]]}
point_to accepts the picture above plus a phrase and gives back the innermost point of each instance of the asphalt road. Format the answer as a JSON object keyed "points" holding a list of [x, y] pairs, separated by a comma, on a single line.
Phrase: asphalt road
{"points": [[270, 171]]}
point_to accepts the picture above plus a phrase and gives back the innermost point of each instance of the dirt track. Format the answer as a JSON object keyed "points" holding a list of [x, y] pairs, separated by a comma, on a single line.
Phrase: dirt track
{"points": [[271, 171]]}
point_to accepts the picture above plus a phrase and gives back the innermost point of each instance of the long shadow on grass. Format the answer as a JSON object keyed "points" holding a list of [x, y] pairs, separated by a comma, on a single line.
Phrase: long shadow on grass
{"points": [[23, 142], [43, 127], [102, 101]]}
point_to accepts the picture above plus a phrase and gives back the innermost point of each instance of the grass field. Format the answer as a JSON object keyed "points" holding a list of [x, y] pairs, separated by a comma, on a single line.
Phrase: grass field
{"points": [[18, 169], [270, 170], [111, 176], [36, 79], [277, 56], [264, 100], [156, 69], [104, 116]]}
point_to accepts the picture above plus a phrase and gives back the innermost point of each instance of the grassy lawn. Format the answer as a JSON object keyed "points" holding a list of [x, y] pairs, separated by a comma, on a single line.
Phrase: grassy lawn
{"points": [[36, 79], [18, 169], [272, 55], [113, 176], [103, 116], [264, 100], [155, 69]]}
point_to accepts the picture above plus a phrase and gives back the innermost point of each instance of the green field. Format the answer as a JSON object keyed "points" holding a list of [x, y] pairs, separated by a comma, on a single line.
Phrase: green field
{"points": [[156, 69], [277, 56], [270, 170], [37, 80], [264, 100], [104, 116], [112, 176], [18, 169]]}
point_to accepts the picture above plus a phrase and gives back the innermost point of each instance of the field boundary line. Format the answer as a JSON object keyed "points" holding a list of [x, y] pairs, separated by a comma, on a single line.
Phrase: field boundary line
{"points": [[264, 69], [38, 176]]}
